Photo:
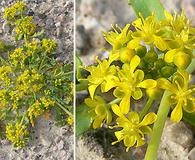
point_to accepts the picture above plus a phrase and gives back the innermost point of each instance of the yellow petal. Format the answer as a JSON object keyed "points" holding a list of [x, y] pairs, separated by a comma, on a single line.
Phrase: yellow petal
{"points": [[160, 43], [134, 117], [98, 121], [177, 113], [92, 89], [134, 43], [189, 107], [168, 15], [108, 117], [129, 141], [165, 84], [145, 129], [116, 109], [170, 55], [140, 141], [125, 104], [137, 94], [139, 75], [148, 119], [148, 83], [100, 110], [134, 63]]}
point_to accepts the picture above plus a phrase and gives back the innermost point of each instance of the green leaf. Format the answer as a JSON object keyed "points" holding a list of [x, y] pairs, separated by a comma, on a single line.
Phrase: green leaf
{"points": [[189, 117], [83, 119], [147, 7]]}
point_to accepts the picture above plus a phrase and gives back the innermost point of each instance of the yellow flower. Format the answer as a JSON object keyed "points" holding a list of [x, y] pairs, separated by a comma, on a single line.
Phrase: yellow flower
{"points": [[118, 39], [5, 74], [25, 26], [38, 108], [133, 129], [47, 102], [130, 82], [17, 57], [3, 98], [17, 134], [11, 12], [182, 96], [149, 31], [70, 120], [99, 111], [49, 45], [103, 74]]}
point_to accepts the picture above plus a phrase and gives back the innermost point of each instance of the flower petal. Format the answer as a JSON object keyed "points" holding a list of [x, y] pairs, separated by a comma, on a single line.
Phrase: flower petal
{"points": [[148, 83], [116, 109], [108, 117], [137, 94], [148, 119], [170, 55], [165, 84], [129, 141], [92, 89], [145, 129], [189, 107], [177, 113], [125, 104], [134, 117], [118, 93], [160, 43], [134, 63], [140, 141], [100, 110], [98, 121], [139, 75]]}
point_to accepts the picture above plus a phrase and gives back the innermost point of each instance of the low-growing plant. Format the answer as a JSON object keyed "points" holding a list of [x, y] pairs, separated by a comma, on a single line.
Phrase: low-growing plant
{"points": [[143, 63], [33, 82]]}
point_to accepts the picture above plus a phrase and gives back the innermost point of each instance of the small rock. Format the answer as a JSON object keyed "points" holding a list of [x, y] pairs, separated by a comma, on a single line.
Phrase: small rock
{"points": [[60, 145], [5, 27], [191, 154]]}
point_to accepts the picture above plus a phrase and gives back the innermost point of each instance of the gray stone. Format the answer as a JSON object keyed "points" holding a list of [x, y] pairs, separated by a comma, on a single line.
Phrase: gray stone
{"points": [[191, 154]]}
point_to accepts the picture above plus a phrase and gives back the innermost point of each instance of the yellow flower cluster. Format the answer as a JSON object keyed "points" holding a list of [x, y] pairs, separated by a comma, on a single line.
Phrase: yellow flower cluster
{"points": [[29, 81], [138, 61], [5, 72], [49, 45], [70, 120], [3, 98], [11, 12], [25, 26], [38, 108], [17, 134], [182, 97], [17, 57]]}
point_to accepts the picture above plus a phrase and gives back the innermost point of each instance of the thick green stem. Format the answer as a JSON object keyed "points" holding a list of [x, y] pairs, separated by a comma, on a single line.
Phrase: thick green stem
{"points": [[162, 114], [146, 108]]}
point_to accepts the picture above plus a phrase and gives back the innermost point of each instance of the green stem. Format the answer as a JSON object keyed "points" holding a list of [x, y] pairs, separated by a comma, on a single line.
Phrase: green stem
{"points": [[146, 108], [115, 101], [63, 108], [162, 114]]}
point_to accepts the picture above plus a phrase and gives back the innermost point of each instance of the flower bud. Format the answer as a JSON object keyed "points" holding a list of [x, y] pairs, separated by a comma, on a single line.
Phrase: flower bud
{"points": [[154, 93], [126, 54], [159, 63], [167, 71], [151, 56], [141, 51], [182, 60]]}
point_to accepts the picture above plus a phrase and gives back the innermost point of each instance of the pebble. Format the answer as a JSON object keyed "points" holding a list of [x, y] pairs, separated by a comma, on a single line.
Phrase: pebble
{"points": [[60, 145]]}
